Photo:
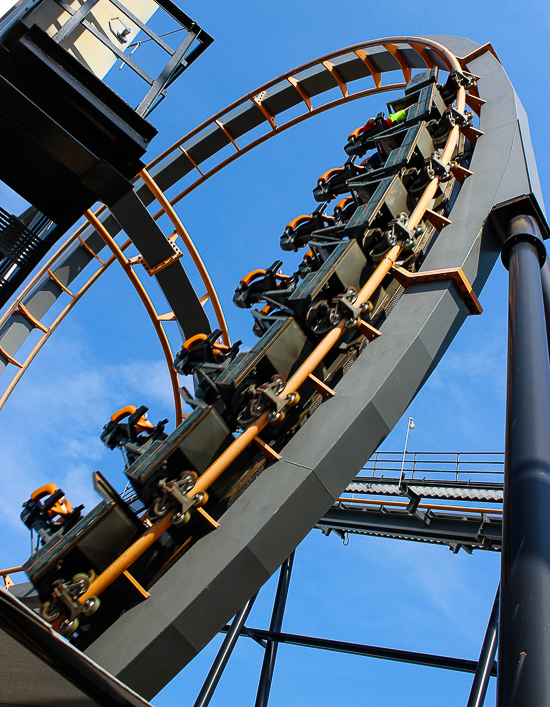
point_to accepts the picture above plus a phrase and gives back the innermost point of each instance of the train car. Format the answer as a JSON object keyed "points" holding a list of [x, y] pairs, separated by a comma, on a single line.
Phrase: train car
{"points": [[163, 475], [72, 555]]}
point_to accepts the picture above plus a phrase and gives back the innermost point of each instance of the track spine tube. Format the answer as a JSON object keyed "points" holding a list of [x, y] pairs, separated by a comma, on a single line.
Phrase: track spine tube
{"points": [[545, 278]]}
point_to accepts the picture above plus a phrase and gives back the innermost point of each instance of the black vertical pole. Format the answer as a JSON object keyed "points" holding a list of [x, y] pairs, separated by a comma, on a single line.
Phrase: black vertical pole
{"points": [[486, 660], [268, 665], [226, 649], [524, 635], [545, 277]]}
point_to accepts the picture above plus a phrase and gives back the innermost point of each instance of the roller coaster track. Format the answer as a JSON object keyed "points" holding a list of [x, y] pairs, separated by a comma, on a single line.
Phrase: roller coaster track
{"points": [[261, 107], [195, 598]]}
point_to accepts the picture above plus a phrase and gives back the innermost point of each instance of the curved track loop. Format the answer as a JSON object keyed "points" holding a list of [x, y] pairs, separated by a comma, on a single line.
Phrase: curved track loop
{"points": [[262, 106], [217, 575], [182, 233], [223, 569], [300, 85]]}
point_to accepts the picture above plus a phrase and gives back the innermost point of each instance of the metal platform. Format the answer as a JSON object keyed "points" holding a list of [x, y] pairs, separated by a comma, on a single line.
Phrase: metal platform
{"points": [[469, 531]]}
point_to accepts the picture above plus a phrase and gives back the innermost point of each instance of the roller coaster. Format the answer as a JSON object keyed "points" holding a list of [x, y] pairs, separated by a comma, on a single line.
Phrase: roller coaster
{"points": [[344, 343], [339, 292]]}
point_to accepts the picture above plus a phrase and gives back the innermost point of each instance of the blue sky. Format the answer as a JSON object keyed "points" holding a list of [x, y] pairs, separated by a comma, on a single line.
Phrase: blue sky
{"points": [[376, 591]]}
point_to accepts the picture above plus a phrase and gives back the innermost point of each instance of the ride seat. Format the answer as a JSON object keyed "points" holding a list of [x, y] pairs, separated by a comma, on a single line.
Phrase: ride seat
{"points": [[134, 436], [55, 514]]}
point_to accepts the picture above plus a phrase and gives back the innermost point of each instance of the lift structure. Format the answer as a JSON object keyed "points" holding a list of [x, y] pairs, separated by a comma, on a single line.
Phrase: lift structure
{"points": [[496, 208]]}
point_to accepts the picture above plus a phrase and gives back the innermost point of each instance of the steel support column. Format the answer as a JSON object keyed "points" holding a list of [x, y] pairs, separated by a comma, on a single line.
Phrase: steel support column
{"points": [[486, 659], [270, 656], [226, 649], [524, 641], [545, 277]]}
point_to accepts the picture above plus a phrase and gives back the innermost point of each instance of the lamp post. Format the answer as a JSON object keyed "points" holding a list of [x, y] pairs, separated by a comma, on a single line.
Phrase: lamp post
{"points": [[410, 427]]}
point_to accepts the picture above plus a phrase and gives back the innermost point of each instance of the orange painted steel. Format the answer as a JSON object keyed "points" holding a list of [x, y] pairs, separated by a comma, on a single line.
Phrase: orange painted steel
{"points": [[448, 57], [123, 261], [418, 44], [121, 564], [432, 506], [316, 357], [11, 570], [128, 557], [178, 225]]}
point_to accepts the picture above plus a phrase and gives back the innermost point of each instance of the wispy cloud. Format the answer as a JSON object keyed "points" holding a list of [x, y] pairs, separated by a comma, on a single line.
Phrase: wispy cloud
{"points": [[51, 425]]}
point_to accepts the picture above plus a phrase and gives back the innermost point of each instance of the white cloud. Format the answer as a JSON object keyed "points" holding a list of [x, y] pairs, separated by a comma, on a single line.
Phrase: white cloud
{"points": [[52, 424]]}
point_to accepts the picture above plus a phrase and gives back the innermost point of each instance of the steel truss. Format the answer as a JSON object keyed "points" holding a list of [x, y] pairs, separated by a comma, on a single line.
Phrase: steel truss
{"points": [[483, 669], [458, 526], [465, 527]]}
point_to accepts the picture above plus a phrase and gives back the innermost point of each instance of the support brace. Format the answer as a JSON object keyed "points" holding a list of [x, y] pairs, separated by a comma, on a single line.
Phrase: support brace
{"points": [[406, 278]]}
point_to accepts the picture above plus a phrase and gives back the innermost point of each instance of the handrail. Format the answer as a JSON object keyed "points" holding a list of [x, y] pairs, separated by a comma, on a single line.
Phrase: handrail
{"points": [[429, 506]]}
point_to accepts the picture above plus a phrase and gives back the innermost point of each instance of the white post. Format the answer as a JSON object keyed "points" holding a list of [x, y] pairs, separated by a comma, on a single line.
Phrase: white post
{"points": [[410, 426]]}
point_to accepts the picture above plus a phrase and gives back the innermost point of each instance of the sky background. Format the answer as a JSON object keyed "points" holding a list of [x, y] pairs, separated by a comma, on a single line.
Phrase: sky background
{"points": [[106, 355]]}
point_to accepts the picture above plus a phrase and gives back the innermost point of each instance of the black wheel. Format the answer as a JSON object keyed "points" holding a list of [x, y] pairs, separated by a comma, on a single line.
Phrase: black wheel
{"points": [[351, 293], [317, 317], [242, 396], [150, 514], [161, 506], [390, 238], [334, 317], [244, 418], [367, 238], [80, 583], [49, 612], [186, 480], [256, 407]]}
